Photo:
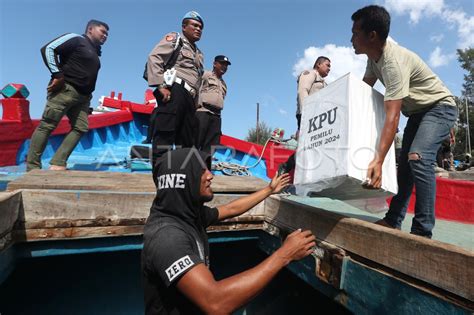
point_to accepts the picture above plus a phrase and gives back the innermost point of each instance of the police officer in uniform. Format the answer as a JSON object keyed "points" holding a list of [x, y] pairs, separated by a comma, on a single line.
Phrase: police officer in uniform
{"points": [[211, 102], [174, 121], [311, 81]]}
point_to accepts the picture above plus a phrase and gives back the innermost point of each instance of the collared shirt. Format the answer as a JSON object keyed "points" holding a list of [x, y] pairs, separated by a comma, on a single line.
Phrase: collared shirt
{"points": [[213, 91], [309, 82], [189, 64], [406, 77]]}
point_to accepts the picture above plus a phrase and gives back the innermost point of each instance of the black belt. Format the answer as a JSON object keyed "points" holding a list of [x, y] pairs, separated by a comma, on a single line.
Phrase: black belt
{"points": [[212, 108]]}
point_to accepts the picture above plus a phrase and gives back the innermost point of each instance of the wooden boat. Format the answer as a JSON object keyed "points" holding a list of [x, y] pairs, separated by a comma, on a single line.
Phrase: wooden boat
{"points": [[367, 268]]}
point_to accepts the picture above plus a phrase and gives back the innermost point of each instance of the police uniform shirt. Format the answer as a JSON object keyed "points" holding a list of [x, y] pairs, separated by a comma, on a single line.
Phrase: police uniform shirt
{"points": [[406, 77], [309, 82], [189, 64], [172, 250], [213, 91]]}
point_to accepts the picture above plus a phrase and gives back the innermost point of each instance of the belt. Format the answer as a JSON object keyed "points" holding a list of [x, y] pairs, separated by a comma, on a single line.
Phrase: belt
{"points": [[185, 85]]}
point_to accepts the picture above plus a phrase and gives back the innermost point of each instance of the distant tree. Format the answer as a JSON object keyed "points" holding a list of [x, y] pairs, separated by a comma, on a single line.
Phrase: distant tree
{"points": [[264, 132], [466, 59]]}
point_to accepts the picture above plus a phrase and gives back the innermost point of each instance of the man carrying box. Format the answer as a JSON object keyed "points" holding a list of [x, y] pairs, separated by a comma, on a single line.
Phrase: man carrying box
{"points": [[413, 89]]}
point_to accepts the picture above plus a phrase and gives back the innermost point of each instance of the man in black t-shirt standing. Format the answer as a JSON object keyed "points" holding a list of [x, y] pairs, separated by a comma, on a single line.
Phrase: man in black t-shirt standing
{"points": [[175, 256]]}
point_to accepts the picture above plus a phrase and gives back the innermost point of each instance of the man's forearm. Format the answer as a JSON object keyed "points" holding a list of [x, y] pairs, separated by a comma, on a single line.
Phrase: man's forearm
{"points": [[243, 204], [241, 288], [227, 295]]}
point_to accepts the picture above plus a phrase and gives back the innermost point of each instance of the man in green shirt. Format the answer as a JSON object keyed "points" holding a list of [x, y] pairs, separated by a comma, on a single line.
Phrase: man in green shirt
{"points": [[414, 90]]}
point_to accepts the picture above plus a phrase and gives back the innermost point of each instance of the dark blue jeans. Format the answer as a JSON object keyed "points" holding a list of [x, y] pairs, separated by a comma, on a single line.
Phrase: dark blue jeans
{"points": [[423, 135]]}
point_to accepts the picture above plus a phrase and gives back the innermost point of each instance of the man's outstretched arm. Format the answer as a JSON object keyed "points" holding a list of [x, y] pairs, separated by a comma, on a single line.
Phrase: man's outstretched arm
{"points": [[227, 295], [241, 205]]}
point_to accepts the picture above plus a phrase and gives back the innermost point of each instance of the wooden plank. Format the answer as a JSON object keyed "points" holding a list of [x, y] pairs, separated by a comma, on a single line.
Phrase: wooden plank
{"points": [[443, 265], [10, 207], [133, 182], [46, 208], [79, 232], [464, 175], [76, 232]]}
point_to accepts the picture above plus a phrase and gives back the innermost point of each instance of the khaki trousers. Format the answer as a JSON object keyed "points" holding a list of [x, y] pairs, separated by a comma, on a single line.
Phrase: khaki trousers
{"points": [[65, 102]]}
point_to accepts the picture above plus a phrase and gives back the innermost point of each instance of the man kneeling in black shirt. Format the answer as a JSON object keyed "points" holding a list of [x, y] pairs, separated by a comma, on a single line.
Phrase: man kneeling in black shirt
{"points": [[175, 255]]}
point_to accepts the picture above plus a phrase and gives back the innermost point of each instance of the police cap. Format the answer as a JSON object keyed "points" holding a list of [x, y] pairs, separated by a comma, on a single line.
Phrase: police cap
{"points": [[222, 58]]}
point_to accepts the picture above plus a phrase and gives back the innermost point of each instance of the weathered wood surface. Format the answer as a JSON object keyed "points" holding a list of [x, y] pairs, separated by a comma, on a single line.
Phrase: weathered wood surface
{"points": [[464, 175], [76, 230], [52, 214], [443, 265], [43, 205], [10, 206], [110, 181], [73, 204]]}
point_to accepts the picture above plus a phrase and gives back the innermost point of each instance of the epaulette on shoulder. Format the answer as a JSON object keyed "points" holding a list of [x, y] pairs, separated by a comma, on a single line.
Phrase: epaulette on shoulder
{"points": [[174, 38], [171, 37], [306, 72]]}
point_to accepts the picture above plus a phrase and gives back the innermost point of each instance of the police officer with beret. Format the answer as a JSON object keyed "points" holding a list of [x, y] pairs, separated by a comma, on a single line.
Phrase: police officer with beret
{"points": [[175, 68], [211, 102]]}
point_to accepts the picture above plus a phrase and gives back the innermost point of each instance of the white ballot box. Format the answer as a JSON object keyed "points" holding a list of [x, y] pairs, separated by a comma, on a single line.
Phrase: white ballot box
{"points": [[340, 129]]}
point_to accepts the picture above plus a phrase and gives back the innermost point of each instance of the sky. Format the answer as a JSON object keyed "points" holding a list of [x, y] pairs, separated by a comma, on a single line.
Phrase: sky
{"points": [[269, 42]]}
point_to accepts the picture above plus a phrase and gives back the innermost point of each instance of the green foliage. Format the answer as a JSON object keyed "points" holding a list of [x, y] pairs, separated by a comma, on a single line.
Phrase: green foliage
{"points": [[466, 59], [264, 132], [461, 148]]}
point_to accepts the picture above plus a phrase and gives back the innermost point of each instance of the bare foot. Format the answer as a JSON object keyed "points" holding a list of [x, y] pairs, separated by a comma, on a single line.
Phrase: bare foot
{"points": [[57, 168]]}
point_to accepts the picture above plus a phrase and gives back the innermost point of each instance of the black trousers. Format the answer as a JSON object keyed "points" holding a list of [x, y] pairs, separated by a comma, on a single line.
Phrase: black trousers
{"points": [[290, 164], [173, 122], [209, 130]]}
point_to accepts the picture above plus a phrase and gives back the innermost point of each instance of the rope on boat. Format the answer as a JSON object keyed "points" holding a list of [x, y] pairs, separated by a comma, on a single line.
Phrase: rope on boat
{"points": [[233, 169]]}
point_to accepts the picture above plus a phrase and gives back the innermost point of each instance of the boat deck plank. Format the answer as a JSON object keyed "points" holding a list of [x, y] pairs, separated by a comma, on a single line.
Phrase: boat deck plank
{"points": [[114, 181], [455, 233], [443, 265], [77, 204]]}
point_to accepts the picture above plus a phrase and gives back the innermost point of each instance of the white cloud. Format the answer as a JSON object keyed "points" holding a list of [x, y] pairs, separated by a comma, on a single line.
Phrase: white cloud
{"points": [[343, 60], [416, 9], [282, 111], [437, 38], [464, 24], [438, 59], [419, 9]]}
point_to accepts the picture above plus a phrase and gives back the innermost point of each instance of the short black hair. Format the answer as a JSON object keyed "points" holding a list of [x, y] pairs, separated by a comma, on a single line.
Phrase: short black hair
{"points": [[320, 60], [96, 23], [373, 18]]}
